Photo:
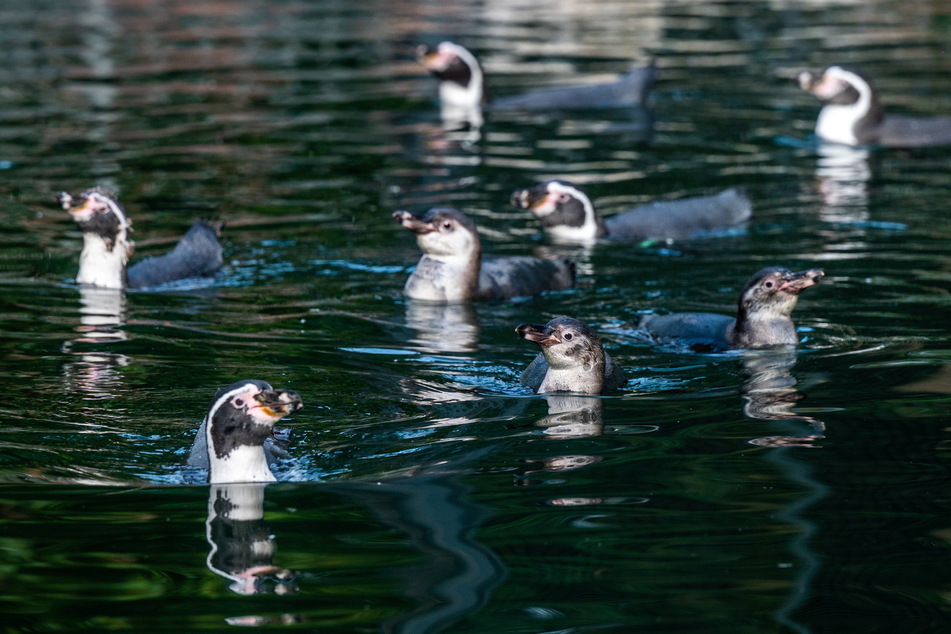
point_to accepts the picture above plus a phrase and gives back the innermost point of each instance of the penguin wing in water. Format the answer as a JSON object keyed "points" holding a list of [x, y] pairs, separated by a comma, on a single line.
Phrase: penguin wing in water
{"points": [[914, 131], [632, 89], [709, 330], [534, 374], [520, 276], [681, 219], [197, 254]]}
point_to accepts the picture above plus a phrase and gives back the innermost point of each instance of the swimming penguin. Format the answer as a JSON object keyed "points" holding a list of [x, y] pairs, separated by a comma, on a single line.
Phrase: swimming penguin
{"points": [[853, 114], [462, 85], [567, 214], [107, 246], [235, 441], [452, 268], [763, 315], [572, 359]]}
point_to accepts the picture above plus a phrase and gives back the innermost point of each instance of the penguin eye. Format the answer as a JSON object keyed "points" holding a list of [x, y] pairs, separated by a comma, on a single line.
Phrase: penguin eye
{"points": [[768, 284], [447, 225], [239, 402], [563, 197], [569, 336]]}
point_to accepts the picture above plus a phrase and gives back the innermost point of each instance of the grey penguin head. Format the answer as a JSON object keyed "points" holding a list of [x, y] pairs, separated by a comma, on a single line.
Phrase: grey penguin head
{"points": [[442, 232], [774, 290], [566, 343], [242, 417]]}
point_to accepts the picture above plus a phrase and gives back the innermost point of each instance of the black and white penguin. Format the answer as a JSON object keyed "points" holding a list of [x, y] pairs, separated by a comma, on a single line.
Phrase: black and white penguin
{"points": [[452, 268], [235, 437], [572, 359], [763, 315], [853, 114], [462, 85], [568, 215], [107, 246]]}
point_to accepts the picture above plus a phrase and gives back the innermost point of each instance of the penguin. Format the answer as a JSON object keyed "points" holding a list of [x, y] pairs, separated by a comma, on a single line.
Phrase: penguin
{"points": [[234, 441], [107, 246], [568, 215], [462, 85], [572, 359], [452, 268], [854, 115], [763, 315]]}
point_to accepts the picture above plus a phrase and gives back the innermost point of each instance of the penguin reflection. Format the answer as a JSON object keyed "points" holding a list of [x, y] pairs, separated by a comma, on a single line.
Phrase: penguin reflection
{"points": [[242, 546], [769, 393], [94, 372], [442, 328]]}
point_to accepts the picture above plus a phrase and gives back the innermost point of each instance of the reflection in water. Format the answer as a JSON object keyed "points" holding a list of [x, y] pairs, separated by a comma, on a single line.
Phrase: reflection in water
{"points": [[572, 416], [443, 328], [102, 315], [843, 173], [434, 508], [770, 393], [242, 546]]}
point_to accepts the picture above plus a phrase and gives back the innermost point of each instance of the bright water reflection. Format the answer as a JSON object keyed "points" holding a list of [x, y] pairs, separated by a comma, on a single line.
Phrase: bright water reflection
{"points": [[427, 491]]}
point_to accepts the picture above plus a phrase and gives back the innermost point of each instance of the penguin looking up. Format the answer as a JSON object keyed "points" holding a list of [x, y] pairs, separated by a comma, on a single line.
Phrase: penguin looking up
{"points": [[234, 439], [572, 359], [107, 246], [763, 315]]}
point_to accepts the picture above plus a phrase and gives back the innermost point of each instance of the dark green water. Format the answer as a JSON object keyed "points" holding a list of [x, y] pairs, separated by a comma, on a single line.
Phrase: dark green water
{"points": [[427, 492]]}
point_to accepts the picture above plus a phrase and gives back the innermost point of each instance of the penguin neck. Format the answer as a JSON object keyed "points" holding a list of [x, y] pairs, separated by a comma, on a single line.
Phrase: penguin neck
{"points": [[583, 379], [757, 329], [244, 463], [103, 260], [445, 278], [854, 123]]}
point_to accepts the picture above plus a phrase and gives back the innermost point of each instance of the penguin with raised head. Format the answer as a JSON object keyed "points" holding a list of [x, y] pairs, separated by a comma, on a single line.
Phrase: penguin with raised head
{"points": [[235, 438], [764, 315], [107, 246]]}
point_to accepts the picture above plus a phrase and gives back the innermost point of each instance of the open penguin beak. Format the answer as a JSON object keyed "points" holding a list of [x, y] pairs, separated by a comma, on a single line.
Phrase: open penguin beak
{"points": [[542, 335], [413, 223], [798, 282], [528, 198], [806, 80], [277, 404]]}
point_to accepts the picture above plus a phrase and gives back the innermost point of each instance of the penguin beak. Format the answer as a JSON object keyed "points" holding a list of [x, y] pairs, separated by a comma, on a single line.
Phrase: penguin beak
{"points": [[413, 223], [542, 335], [528, 198], [433, 59], [805, 80], [278, 403], [83, 212], [798, 282]]}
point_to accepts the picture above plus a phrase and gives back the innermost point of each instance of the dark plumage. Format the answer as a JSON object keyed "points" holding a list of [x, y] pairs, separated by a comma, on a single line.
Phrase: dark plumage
{"points": [[107, 246], [853, 113], [565, 211], [452, 267], [572, 359], [763, 315]]}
